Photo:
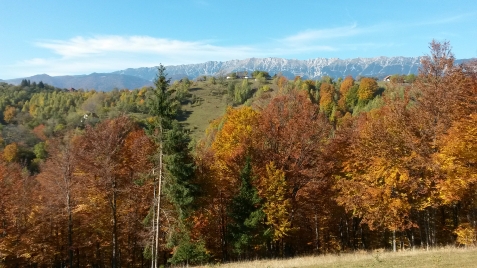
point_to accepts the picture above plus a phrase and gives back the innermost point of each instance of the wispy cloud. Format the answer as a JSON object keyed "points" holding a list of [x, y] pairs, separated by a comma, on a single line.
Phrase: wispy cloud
{"points": [[330, 39], [109, 53], [447, 20], [82, 55], [315, 35], [81, 46]]}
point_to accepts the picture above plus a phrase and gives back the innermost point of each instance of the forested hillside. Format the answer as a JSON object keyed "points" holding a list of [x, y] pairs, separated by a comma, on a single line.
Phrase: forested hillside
{"points": [[290, 167]]}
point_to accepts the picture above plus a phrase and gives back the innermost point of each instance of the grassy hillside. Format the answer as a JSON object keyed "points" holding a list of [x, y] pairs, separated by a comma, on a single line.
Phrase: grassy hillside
{"points": [[444, 257], [211, 101], [210, 104]]}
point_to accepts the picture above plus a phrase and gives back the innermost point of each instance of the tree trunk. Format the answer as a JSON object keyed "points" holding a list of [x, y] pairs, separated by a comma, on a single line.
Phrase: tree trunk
{"points": [[114, 238], [153, 259], [317, 237], [77, 258], [223, 221], [156, 248], [70, 230], [394, 240]]}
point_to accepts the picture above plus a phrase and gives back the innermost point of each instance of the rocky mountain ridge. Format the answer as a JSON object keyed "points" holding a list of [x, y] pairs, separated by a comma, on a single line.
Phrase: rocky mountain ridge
{"points": [[132, 78], [309, 69]]}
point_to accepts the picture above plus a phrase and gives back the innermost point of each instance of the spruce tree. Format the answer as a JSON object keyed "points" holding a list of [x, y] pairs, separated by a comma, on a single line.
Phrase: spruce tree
{"points": [[175, 168], [246, 227], [180, 167], [181, 191], [162, 107]]}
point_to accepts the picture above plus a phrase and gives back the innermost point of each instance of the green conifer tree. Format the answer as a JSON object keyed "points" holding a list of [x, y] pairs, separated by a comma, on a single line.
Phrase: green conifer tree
{"points": [[180, 167], [246, 214], [163, 108]]}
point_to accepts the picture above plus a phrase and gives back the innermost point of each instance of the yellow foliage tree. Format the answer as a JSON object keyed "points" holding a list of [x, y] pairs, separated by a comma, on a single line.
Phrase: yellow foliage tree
{"points": [[233, 139], [378, 186], [273, 189], [458, 159], [326, 98], [9, 114], [221, 157], [345, 86], [282, 83], [367, 88], [10, 152], [466, 234]]}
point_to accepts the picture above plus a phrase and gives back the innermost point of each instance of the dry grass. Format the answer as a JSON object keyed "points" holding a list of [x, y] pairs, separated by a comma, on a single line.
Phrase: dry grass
{"points": [[443, 257]]}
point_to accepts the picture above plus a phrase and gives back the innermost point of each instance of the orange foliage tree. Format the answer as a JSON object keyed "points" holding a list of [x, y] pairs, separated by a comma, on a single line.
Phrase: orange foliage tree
{"points": [[113, 155], [345, 87], [293, 134]]}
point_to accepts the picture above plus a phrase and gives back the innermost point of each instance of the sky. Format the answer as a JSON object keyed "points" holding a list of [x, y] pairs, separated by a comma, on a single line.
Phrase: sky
{"points": [[81, 36]]}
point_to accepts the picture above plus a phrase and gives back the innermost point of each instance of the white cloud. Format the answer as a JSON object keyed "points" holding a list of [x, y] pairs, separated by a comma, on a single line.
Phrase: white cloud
{"points": [[322, 34], [84, 55], [80, 46]]}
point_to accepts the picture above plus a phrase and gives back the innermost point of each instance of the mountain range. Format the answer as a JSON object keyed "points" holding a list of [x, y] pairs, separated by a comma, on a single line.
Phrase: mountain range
{"points": [[97, 81], [309, 69]]}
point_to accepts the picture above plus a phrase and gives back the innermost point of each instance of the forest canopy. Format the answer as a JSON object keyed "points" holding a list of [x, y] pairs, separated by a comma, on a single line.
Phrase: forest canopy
{"points": [[291, 167]]}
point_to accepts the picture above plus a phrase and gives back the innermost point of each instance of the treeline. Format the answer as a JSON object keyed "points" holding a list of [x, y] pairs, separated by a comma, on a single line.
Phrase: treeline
{"points": [[32, 113], [312, 167], [80, 175], [330, 166]]}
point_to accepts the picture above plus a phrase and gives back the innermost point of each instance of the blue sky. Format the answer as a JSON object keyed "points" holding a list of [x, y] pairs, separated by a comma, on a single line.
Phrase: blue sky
{"points": [[80, 37]]}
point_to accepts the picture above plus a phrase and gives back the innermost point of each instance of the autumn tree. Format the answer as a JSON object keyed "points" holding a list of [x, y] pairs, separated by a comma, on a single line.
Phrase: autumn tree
{"points": [[444, 93], [10, 153], [378, 183], [345, 88], [101, 155], [292, 133], [282, 83], [367, 88], [327, 101], [273, 189], [458, 158], [9, 114], [58, 180], [17, 216], [220, 159]]}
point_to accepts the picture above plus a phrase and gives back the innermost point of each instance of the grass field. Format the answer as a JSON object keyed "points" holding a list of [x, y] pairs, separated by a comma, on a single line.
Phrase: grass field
{"points": [[211, 104], [443, 257]]}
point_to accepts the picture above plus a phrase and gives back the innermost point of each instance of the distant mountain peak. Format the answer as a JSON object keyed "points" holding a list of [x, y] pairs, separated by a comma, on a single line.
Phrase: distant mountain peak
{"points": [[310, 69]]}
